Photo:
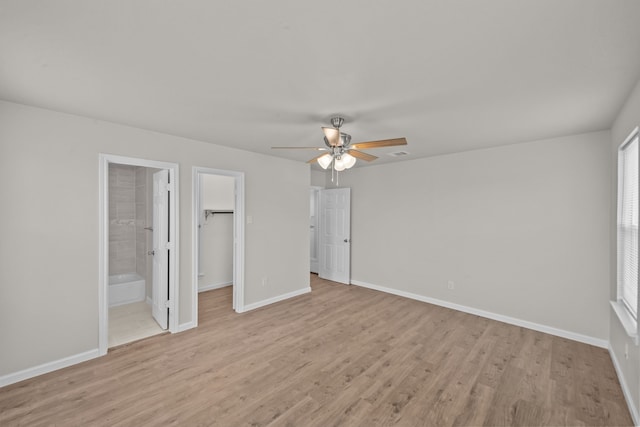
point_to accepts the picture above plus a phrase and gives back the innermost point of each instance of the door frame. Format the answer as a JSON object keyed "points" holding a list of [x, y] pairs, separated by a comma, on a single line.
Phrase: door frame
{"points": [[238, 238], [316, 192], [103, 239]]}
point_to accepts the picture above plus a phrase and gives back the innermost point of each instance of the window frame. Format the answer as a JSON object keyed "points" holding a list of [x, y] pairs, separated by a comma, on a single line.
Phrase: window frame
{"points": [[621, 305]]}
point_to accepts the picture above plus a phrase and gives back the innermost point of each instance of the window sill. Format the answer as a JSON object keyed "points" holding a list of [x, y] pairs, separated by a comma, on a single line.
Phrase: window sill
{"points": [[629, 323]]}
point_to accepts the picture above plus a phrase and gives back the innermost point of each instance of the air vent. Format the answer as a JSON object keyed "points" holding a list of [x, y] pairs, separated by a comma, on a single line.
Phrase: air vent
{"points": [[399, 154]]}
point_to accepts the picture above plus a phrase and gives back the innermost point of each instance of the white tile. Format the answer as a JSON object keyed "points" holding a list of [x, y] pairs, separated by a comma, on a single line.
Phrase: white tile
{"points": [[131, 322]]}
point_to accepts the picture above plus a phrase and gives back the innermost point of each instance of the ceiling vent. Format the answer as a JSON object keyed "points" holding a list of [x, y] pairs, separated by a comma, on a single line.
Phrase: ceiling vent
{"points": [[399, 154]]}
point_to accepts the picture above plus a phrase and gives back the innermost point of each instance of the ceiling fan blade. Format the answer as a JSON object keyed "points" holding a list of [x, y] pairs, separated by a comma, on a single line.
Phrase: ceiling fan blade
{"points": [[333, 136], [361, 155], [381, 143], [299, 148], [316, 158]]}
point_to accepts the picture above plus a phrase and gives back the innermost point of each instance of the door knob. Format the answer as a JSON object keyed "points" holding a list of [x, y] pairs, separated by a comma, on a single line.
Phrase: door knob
{"points": [[151, 253], [346, 240]]}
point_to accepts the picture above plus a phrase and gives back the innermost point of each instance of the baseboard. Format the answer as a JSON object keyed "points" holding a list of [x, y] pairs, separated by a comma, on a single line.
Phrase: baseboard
{"points": [[214, 286], [278, 298], [489, 315], [186, 326], [45, 368], [625, 390]]}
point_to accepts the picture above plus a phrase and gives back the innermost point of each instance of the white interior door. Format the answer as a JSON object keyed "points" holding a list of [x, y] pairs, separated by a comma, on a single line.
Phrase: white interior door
{"points": [[335, 235], [160, 288]]}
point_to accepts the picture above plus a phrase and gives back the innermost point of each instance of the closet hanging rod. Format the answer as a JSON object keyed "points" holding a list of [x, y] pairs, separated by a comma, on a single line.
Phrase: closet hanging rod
{"points": [[208, 212]]}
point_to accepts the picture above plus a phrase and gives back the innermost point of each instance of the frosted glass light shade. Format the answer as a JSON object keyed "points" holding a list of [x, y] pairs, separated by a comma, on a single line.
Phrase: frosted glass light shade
{"points": [[325, 161], [348, 160], [339, 164]]}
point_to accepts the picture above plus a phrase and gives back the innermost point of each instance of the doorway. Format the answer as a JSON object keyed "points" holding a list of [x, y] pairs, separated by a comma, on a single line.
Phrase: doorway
{"points": [[138, 245], [224, 205], [215, 237]]}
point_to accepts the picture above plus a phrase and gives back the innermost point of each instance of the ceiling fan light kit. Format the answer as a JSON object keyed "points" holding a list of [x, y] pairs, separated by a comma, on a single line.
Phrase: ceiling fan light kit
{"points": [[344, 161]]}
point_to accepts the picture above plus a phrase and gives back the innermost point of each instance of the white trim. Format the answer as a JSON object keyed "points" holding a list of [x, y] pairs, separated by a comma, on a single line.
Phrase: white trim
{"points": [[628, 322], [238, 241], [45, 368], [195, 242], [625, 390], [103, 239], [489, 315], [174, 257], [275, 299], [186, 326], [214, 286], [103, 255], [314, 266], [631, 136]]}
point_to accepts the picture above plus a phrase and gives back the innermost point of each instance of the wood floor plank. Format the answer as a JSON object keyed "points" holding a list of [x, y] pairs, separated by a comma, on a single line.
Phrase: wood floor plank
{"points": [[339, 356]]}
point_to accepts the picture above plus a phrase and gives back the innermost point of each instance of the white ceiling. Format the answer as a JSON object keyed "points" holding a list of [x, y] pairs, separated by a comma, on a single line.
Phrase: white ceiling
{"points": [[447, 75]]}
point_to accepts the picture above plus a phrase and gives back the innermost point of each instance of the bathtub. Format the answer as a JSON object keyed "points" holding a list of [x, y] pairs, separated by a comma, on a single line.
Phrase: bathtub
{"points": [[125, 289]]}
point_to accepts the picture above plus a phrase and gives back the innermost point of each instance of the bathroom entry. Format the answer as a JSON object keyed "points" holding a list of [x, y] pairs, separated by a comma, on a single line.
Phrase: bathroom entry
{"points": [[138, 224], [138, 235]]}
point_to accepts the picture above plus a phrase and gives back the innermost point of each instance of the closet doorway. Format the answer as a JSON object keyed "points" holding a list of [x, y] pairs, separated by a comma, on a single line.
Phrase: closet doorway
{"points": [[218, 233]]}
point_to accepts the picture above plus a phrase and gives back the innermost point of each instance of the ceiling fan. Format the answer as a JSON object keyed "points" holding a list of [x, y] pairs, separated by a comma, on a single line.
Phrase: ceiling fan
{"points": [[340, 152]]}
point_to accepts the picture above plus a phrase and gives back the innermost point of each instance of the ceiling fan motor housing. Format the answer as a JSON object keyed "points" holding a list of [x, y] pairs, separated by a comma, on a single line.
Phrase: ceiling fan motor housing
{"points": [[345, 140]]}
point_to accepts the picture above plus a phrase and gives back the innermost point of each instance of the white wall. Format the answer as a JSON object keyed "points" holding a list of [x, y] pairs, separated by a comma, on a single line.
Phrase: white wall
{"points": [[628, 368], [216, 257], [49, 228], [318, 178], [521, 230], [216, 232], [218, 192]]}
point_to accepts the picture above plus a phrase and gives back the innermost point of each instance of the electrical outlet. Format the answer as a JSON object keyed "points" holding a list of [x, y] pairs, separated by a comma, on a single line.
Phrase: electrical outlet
{"points": [[451, 285]]}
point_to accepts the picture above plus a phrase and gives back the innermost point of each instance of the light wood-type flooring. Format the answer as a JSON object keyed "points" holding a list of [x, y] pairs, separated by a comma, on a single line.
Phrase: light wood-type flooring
{"points": [[340, 356]]}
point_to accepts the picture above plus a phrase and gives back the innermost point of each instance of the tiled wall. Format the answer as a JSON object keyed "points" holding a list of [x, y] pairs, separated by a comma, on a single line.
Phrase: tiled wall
{"points": [[128, 217], [122, 210], [149, 235], [141, 220]]}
